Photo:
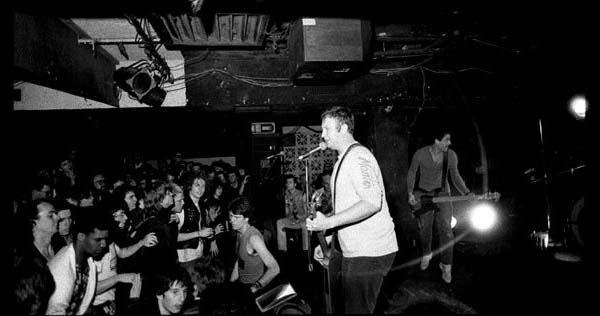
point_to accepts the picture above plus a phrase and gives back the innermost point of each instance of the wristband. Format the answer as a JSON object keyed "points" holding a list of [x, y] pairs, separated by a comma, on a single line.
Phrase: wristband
{"points": [[257, 285]]}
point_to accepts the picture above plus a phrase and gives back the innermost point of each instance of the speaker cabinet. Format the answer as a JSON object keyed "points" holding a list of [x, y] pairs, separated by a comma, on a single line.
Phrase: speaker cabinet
{"points": [[328, 50]]}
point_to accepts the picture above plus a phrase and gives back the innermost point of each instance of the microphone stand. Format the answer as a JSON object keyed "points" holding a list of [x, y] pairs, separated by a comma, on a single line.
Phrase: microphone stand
{"points": [[307, 203]]}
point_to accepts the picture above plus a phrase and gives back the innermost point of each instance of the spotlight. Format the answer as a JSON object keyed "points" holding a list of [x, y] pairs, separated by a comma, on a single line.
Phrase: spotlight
{"points": [[483, 217], [578, 106], [141, 83]]}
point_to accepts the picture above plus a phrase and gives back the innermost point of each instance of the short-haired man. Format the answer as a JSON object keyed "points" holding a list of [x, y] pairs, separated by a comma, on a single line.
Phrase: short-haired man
{"points": [[366, 230], [73, 267], [255, 266], [429, 161], [65, 224]]}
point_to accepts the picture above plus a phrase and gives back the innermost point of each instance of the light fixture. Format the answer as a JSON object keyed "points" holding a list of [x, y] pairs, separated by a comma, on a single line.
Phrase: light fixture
{"points": [[483, 217], [141, 82]]}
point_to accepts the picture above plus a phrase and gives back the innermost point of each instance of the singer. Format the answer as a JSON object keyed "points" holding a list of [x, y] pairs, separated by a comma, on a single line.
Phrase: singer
{"points": [[366, 231]]}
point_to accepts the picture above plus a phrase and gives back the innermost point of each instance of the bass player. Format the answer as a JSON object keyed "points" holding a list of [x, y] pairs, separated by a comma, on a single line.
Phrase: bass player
{"points": [[433, 163]]}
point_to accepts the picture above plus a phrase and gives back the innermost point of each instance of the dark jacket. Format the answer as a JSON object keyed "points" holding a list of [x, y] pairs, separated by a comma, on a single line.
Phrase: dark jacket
{"points": [[190, 223], [34, 283]]}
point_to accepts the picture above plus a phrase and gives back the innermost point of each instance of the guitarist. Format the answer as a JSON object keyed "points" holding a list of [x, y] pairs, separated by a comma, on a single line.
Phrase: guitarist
{"points": [[365, 229], [434, 162]]}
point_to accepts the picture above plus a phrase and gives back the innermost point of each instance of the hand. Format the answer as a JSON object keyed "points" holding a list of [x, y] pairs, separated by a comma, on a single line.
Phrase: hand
{"points": [[174, 218], [253, 289], [318, 255], [110, 308], [206, 232], [128, 277], [214, 250], [219, 229], [149, 240], [412, 200], [320, 222]]}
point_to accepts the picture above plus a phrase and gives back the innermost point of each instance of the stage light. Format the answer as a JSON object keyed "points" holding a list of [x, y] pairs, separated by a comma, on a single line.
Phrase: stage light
{"points": [[483, 217], [141, 83], [453, 222], [578, 106]]}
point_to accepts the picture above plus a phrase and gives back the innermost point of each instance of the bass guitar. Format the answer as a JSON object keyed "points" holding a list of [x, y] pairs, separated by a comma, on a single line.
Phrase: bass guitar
{"points": [[315, 201], [427, 200]]}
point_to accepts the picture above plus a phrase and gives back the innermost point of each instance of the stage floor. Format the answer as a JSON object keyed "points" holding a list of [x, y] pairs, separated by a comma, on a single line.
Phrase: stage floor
{"points": [[493, 277]]}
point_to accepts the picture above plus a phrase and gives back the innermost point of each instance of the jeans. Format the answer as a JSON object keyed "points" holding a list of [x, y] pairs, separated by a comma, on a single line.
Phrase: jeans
{"points": [[442, 219], [362, 278]]}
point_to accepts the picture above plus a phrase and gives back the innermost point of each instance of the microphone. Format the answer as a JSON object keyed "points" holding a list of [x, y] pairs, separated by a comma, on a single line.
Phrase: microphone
{"points": [[322, 146], [275, 155]]}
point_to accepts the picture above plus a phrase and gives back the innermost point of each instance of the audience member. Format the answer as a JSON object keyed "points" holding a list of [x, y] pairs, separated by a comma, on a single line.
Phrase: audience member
{"points": [[73, 266], [34, 284], [255, 266], [193, 221], [295, 214], [171, 288], [65, 222]]}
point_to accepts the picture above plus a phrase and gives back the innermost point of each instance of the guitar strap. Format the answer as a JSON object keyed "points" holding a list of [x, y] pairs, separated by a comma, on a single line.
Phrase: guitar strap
{"points": [[444, 172], [335, 241]]}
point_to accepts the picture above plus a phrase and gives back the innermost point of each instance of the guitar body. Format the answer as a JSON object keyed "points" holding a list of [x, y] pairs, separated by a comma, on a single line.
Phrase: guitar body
{"points": [[425, 201]]}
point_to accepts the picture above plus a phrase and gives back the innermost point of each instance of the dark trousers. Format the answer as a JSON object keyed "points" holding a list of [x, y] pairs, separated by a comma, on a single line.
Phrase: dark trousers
{"points": [[361, 282], [441, 220]]}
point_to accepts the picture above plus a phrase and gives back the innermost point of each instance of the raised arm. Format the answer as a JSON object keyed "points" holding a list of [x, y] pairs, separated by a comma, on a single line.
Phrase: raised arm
{"points": [[148, 241]]}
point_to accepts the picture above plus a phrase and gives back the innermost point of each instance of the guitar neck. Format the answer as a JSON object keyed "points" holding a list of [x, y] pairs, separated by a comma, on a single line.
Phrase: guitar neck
{"points": [[443, 199]]}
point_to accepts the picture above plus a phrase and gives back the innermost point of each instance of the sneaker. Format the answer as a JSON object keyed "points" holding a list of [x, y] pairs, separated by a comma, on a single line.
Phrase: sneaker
{"points": [[425, 261], [446, 272]]}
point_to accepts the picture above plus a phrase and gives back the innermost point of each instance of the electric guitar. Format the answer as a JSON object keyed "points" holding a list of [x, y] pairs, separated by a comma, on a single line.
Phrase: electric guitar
{"points": [[427, 200], [315, 201]]}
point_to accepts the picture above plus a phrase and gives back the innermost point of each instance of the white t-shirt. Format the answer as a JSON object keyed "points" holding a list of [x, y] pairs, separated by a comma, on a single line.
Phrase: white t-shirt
{"points": [[360, 179], [106, 268]]}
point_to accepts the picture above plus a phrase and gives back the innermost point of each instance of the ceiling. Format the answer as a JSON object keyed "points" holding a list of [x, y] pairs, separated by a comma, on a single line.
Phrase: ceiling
{"points": [[458, 39]]}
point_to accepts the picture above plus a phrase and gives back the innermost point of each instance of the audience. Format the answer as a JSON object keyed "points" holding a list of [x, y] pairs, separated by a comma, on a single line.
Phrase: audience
{"points": [[122, 246]]}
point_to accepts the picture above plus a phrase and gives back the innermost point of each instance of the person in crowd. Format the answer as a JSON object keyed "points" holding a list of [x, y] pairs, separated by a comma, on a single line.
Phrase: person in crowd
{"points": [[73, 267], [121, 258], [99, 189], [66, 179], [217, 220], [193, 224], [104, 302], [163, 224], [429, 161], [365, 229], [33, 282], [295, 214], [323, 189], [170, 289], [255, 266], [128, 194], [42, 188], [234, 187], [65, 223]]}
